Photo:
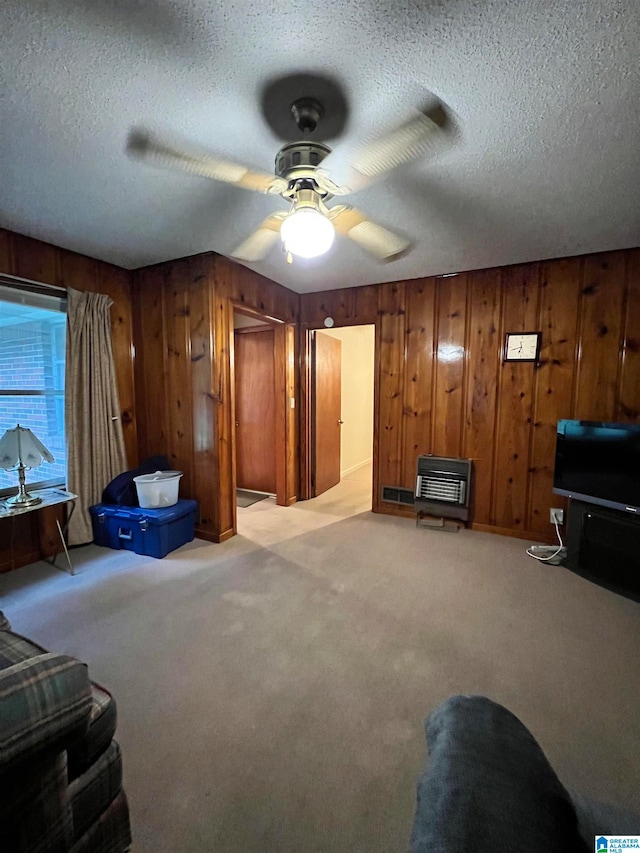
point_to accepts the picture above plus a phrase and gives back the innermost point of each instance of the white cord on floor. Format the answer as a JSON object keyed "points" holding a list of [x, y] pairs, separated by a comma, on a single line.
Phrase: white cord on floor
{"points": [[555, 553]]}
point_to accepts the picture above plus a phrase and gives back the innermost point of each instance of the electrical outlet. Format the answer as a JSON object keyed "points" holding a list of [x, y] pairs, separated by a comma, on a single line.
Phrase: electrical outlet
{"points": [[556, 515]]}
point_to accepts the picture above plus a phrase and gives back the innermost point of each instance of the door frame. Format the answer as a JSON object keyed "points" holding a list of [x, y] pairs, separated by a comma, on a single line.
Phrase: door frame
{"points": [[284, 383], [306, 446], [261, 329], [306, 420]]}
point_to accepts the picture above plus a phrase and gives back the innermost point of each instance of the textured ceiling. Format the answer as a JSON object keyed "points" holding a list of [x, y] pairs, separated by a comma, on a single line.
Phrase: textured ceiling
{"points": [[545, 95]]}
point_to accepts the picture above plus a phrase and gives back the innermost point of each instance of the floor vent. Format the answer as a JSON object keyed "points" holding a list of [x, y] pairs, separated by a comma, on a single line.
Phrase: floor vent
{"points": [[398, 495], [443, 485]]}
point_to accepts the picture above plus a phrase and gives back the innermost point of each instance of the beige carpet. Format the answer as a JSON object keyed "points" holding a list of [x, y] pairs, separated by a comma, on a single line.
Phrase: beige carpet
{"points": [[272, 690]]}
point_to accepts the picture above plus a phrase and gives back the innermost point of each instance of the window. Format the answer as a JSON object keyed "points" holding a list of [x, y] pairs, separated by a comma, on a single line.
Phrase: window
{"points": [[32, 363]]}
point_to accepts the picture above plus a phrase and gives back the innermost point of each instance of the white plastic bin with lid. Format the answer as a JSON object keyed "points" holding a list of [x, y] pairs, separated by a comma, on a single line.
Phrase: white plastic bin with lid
{"points": [[158, 490]]}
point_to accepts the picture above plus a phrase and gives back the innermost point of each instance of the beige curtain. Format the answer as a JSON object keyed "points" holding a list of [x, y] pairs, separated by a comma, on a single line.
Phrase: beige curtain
{"points": [[95, 444]]}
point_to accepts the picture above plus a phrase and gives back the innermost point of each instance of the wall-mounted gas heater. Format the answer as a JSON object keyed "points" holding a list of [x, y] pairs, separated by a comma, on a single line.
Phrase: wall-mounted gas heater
{"points": [[443, 487]]}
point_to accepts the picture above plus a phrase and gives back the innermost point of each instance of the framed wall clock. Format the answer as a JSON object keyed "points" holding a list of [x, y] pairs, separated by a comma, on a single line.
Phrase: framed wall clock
{"points": [[522, 346]]}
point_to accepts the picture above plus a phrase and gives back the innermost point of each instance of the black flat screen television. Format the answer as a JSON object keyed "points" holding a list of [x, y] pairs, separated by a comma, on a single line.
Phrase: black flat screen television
{"points": [[599, 463]]}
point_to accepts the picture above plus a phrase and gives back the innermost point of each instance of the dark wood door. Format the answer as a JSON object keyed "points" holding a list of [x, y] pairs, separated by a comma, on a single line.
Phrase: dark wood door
{"points": [[255, 410], [325, 412]]}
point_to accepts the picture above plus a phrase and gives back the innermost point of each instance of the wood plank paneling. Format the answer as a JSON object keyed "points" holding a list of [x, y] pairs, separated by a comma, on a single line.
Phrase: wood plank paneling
{"points": [[151, 362], [254, 291], [559, 298], [204, 459], [448, 398], [343, 305], [49, 536], [36, 261], [6, 254], [600, 335], [418, 418], [246, 288], [226, 522], [365, 304], [391, 381], [520, 286], [317, 307], [184, 313], [80, 272], [20, 540], [484, 345], [505, 415], [502, 416], [178, 388], [628, 402], [350, 307], [116, 283]]}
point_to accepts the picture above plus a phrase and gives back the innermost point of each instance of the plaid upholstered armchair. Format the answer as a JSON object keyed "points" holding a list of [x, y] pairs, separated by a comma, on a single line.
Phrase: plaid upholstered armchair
{"points": [[60, 769]]}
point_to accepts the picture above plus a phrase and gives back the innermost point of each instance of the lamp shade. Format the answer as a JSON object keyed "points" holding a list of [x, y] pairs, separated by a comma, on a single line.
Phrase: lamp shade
{"points": [[20, 447]]}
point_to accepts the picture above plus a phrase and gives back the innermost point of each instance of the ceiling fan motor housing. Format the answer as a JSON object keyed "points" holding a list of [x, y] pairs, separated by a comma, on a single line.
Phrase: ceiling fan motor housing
{"points": [[300, 159]]}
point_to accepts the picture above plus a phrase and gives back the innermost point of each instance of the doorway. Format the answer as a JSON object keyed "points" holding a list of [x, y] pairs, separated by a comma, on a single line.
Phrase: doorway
{"points": [[263, 415], [255, 409], [341, 388], [255, 424]]}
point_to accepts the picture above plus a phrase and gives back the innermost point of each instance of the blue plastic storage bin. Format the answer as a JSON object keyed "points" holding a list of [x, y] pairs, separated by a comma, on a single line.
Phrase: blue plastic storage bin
{"points": [[152, 532]]}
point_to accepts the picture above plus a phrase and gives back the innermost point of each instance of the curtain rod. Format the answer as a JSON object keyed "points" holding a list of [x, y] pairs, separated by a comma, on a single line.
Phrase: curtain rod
{"points": [[29, 283]]}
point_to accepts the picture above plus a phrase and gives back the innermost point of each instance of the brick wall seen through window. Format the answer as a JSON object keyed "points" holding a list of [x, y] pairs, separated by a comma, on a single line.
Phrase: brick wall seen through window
{"points": [[32, 358]]}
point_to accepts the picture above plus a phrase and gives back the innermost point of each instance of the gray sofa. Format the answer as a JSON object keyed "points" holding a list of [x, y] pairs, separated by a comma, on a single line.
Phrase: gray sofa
{"points": [[487, 785], [60, 768]]}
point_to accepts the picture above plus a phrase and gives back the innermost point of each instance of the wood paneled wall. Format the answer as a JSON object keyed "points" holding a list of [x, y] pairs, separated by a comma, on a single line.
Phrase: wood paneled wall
{"points": [[27, 538], [442, 387], [184, 335]]}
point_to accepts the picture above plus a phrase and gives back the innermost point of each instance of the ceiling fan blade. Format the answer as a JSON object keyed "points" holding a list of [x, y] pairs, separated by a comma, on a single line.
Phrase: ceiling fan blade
{"points": [[145, 147], [421, 134], [371, 236], [258, 244]]}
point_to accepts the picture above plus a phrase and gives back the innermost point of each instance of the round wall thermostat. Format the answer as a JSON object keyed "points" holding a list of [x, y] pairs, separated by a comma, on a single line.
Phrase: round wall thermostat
{"points": [[328, 321]]}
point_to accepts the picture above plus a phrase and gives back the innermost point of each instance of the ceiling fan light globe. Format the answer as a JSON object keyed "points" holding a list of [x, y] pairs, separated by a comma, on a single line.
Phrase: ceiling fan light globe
{"points": [[307, 233]]}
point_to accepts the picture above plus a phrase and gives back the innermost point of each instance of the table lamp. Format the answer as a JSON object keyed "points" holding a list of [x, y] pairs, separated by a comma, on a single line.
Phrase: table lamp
{"points": [[19, 448]]}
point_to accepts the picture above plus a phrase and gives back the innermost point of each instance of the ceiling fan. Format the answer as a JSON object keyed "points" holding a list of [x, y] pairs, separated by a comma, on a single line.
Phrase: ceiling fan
{"points": [[301, 177]]}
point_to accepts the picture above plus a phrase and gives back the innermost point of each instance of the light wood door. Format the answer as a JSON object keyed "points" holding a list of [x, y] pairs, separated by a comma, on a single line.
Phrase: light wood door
{"points": [[255, 410], [326, 367]]}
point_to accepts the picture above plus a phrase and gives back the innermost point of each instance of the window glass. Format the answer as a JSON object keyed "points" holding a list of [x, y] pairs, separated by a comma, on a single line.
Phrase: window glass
{"points": [[32, 364]]}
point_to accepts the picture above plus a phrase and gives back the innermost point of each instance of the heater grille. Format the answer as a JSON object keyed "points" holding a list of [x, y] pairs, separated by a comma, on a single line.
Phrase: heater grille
{"points": [[435, 488], [443, 486]]}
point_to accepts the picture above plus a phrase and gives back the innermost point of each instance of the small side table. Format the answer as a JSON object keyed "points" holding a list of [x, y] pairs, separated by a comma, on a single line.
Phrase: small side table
{"points": [[50, 497]]}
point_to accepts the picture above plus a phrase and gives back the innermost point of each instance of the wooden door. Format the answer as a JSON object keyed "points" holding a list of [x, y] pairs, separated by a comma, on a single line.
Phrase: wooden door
{"points": [[325, 412], [255, 410]]}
